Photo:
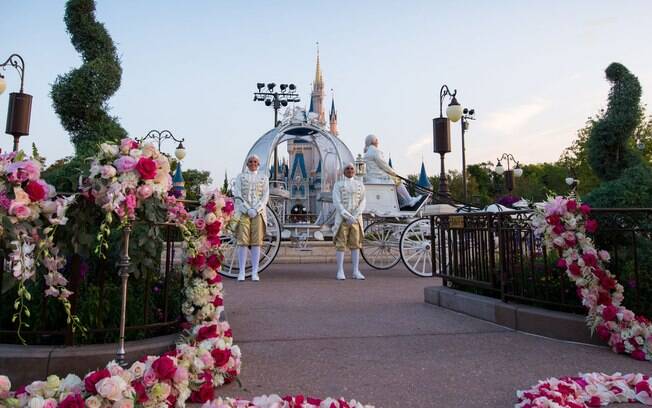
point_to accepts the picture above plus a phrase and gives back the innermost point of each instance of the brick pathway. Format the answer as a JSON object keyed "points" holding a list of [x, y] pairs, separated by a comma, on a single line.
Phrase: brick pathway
{"points": [[301, 331]]}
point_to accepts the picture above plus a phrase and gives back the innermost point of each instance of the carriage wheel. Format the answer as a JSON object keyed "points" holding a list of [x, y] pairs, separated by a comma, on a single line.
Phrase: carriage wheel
{"points": [[416, 247], [380, 244], [268, 251]]}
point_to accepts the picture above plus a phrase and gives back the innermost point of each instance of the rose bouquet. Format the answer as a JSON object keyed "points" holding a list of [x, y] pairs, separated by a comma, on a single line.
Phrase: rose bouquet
{"points": [[123, 177], [203, 284], [30, 214], [565, 226]]}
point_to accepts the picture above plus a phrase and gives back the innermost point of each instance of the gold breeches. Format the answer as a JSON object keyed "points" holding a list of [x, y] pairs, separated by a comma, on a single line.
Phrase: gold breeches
{"points": [[250, 231], [348, 237]]}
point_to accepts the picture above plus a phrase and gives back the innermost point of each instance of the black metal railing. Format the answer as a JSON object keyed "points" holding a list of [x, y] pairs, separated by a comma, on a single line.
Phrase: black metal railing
{"points": [[154, 301], [498, 254]]}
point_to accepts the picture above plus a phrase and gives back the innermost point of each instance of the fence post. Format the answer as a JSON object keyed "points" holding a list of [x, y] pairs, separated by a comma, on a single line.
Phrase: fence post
{"points": [[502, 256], [124, 274]]}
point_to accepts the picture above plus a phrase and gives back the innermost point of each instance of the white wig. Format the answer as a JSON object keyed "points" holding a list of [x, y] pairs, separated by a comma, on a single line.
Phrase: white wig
{"points": [[368, 141], [253, 156]]}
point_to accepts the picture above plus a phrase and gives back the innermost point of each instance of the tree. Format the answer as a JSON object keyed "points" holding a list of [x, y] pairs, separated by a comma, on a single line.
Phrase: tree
{"points": [[80, 96], [226, 188], [194, 180]]}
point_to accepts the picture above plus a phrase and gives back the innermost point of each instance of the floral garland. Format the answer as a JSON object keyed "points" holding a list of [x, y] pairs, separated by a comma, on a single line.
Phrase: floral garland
{"points": [[564, 225], [30, 213], [121, 178], [587, 390], [275, 401]]}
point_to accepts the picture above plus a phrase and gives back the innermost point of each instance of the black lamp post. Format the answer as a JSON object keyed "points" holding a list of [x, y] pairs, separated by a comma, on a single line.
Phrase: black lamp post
{"points": [[159, 136], [276, 99], [467, 114], [20, 103], [509, 173], [442, 133]]}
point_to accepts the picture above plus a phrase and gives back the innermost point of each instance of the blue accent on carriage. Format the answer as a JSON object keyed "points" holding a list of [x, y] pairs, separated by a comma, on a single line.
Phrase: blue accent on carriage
{"points": [[390, 162], [423, 178]]}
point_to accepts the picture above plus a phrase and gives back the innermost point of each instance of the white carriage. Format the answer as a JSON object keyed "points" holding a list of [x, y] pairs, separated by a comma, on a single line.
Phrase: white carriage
{"points": [[390, 234]]}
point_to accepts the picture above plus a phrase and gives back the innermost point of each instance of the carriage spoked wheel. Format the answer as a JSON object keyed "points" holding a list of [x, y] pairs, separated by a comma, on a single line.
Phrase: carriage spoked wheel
{"points": [[416, 247], [268, 251], [380, 245]]}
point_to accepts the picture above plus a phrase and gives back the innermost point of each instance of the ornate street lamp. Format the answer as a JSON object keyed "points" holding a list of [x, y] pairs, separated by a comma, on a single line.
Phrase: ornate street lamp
{"points": [[442, 133], [467, 114], [159, 136], [509, 173], [20, 103], [276, 99]]}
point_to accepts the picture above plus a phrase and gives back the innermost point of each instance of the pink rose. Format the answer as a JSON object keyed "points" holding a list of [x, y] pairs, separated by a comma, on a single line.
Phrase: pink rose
{"points": [[590, 259], [603, 332], [207, 332], [92, 378], [146, 167], [604, 255], [575, 269], [111, 388], [36, 190], [125, 164], [19, 210], [164, 368], [214, 261], [561, 263], [108, 171], [49, 403], [127, 144], [181, 375], [229, 207], [638, 354], [609, 313], [591, 226], [571, 205], [585, 209], [71, 401], [221, 357], [149, 378], [200, 223], [210, 206], [130, 201], [145, 191]]}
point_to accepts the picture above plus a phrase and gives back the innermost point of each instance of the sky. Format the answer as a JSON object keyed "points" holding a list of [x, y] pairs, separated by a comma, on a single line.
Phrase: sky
{"points": [[533, 71]]}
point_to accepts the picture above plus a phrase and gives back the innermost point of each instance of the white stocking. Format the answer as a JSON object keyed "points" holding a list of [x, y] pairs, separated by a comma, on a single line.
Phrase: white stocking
{"points": [[340, 265], [242, 261], [255, 260], [355, 261], [404, 197]]}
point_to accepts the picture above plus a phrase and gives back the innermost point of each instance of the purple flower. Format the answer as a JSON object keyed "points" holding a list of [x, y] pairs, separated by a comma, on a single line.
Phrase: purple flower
{"points": [[125, 164]]}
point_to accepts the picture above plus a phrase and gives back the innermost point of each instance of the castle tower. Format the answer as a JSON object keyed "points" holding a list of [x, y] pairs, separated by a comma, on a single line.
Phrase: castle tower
{"points": [[333, 118], [317, 95]]}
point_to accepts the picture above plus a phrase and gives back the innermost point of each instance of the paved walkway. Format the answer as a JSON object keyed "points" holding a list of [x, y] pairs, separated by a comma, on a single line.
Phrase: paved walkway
{"points": [[301, 331]]}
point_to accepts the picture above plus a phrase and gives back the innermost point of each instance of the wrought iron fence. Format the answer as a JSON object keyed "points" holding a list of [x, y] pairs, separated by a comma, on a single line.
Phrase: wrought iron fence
{"points": [[498, 254], [154, 301]]}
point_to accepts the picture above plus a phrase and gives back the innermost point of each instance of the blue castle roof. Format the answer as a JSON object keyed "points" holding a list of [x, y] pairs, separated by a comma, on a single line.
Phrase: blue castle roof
{"points": [[423, 178], [299, 163]]}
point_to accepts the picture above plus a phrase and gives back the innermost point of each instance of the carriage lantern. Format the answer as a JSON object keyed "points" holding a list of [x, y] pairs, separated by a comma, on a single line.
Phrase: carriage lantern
{"points": [[360, 166]]}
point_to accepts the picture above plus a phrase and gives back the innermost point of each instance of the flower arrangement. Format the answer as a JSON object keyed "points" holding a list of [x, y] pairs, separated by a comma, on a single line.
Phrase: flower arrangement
{"points": [[565, 225], [275, 401], [587, 390], [203, 284], [122, 177], [30, 214]]}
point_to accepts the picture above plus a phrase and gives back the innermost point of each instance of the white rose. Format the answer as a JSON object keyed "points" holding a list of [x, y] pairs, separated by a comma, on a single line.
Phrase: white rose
{"points": [[136, 153], [111, 388], [138, 369], [36, 402], [5, 384], [149, 150], [71, 383], [210, 218], [109, 150], [93, 402]]}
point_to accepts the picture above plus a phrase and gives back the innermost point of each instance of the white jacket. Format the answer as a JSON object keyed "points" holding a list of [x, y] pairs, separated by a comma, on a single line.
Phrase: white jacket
{"points": [[349, 200], [378, 171], [251, 190]]}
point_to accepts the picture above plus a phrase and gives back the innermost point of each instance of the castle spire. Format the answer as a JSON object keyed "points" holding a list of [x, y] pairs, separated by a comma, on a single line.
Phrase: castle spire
{"points": [[333, 116], [317, 96]]}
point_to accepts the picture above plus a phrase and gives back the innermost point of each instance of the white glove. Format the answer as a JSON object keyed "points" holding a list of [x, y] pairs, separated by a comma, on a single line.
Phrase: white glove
{"points": [[252, 213], [351, 220]]}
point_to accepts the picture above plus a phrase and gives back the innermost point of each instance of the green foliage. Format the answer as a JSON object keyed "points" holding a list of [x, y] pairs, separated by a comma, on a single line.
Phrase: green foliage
{"points": [[194, 179], [226, 188], [633, 189], [608, 151], [80, 96]]}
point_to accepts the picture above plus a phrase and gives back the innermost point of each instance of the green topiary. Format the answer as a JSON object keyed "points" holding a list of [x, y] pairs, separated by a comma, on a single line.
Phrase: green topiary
{"points": [[79, 97], [609, 152]]}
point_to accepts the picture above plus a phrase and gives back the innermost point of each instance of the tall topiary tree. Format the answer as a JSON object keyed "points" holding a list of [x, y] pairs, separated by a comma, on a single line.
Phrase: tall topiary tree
{"points": [[609, 151], [626, 178], [80, 96]]}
